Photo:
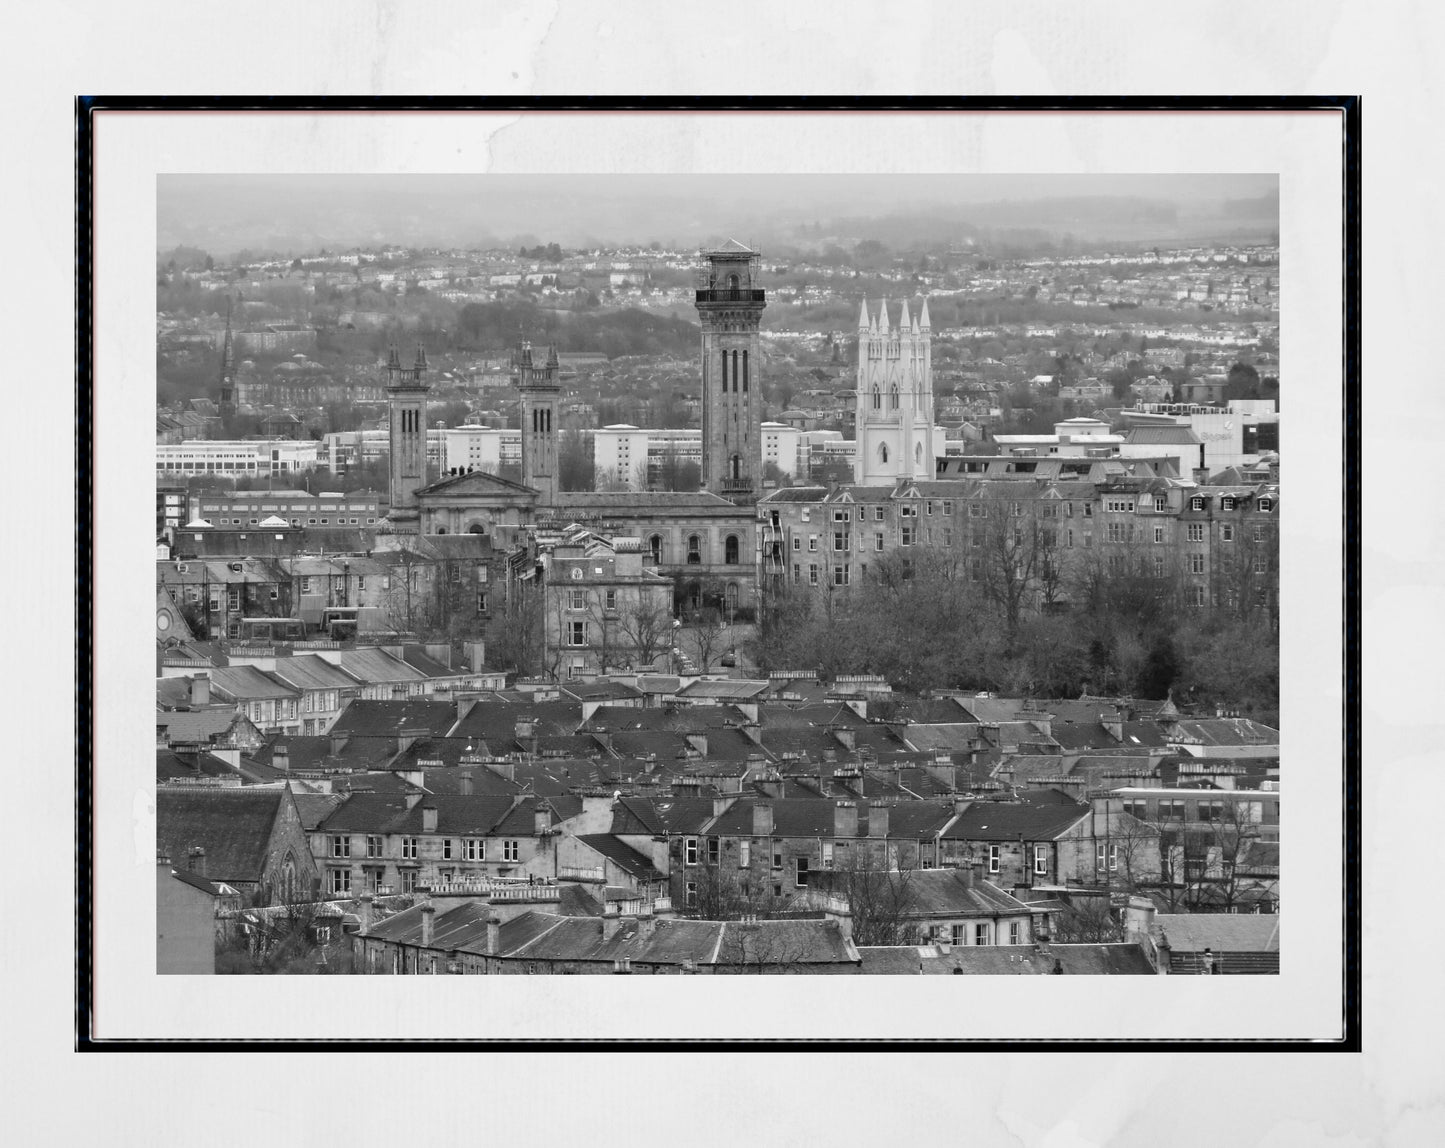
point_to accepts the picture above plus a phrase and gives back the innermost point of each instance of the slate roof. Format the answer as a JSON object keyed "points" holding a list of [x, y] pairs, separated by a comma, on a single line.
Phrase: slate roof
{"points": [[314, 808], [814, 818], [247, 683], [373, 664], [950, 893], [1222, 932], [1006, 960], [233, 826], [197, 727], [736, 688], [1008, 821], [382, 813], [1223, 731], [653, 816], [364, 716], [195, 881], [497, 721], [310, 672], [624, 856]]}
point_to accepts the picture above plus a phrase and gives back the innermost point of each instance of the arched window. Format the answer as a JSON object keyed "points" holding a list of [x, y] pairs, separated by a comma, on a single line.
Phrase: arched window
{"points": [[877, 398], [737, 466], [441, 529], [477, 528], [730, 550], [694, 550], [893, 397], [918, 453], [732, 282], [882, 452], [288, 879], [730, 596], [655, 542]]}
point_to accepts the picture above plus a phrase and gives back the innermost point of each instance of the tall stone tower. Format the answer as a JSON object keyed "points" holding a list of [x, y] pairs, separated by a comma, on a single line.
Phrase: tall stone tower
{"points": [[730, 307], [228, 373], [894, 426], [406, 397], [540, 394]]}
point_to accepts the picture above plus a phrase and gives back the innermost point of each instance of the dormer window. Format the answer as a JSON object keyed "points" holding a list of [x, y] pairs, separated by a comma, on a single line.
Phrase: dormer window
{"points": [[1266, 504], [1227, 504], [1196, 504]]}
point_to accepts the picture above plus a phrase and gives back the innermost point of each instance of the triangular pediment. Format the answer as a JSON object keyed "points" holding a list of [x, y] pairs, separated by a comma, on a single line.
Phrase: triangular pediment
{"points": [[478, 484]]}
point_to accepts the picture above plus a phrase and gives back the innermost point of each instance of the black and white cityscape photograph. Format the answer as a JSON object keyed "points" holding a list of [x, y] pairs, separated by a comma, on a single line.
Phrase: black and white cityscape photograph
{"points": [[718, 574]]}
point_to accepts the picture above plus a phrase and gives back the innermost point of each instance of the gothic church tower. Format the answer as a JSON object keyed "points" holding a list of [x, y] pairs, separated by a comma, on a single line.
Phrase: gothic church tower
{"points": [[540, 392], [730, 308], [894, 428], [406, 391]]}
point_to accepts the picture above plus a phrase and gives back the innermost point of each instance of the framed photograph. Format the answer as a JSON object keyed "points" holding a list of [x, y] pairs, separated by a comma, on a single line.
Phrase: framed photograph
{"points": [[707, 537]]}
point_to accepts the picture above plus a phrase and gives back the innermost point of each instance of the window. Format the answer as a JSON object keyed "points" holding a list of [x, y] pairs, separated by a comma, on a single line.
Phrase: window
{"points": [[730, 550], [1016, 509], [1015, 933], [797, 542], [840, 540], [694, 550], [306, 584], [1196, 532], [689, 851], [1196, 504], [906, 536], [1196, 564], [800, 872], [877, 514], [1159, 567], [690, 890], [840, 575], [1041, 859], [980, 933], [1266, 505], [341, 847], [812, 542], [1226, 533], [827, 855], [1158, 535], [993, 858], [576, 599], [959, 934], [1261, 564], [1161, 503], [1136, 807], [577, 633], [1171, 809], [373, 846], [1116, 532], [408, 880], [1198, 596], [947, 507], [1119, 505], [1106, 857], [511, 850], [446, 849], [455, 572], [714, 850], [1088, 509], [609, 601], [1261, 534], [878, 541], [745, 854], [482, 605], [408, 848], [474, 849], [1211, 810], [812, 574], [1227, 503], [341, 880]]}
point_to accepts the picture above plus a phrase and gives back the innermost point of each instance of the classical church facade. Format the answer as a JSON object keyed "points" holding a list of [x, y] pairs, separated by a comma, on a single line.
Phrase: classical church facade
{"points": [[896, 438]]}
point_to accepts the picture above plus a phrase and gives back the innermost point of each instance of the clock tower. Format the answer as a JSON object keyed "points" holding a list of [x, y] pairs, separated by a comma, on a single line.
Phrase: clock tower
{"points": [[540, 392]]}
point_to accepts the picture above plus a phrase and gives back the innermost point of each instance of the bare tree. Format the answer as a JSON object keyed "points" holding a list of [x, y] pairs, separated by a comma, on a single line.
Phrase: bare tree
{"points": [[1219, 875], [880, 900], [1087, 921], [647, 629]]}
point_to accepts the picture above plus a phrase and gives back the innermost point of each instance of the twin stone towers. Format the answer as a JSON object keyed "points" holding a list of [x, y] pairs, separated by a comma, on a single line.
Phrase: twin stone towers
{"points": [[894, 405]]}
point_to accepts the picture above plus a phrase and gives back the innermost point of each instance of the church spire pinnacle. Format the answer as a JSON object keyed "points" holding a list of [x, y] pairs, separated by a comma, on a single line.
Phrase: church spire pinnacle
{"points": [[903, 324], [923, 321], [883, 317], [863, 316]]}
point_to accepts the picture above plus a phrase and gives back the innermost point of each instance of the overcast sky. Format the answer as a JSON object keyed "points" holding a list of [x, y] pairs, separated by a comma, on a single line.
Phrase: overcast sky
{"points": [[226, 212]]}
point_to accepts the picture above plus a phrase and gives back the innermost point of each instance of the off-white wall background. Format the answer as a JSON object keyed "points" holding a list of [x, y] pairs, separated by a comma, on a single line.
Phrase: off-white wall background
{"points": [[1392, 1095]]}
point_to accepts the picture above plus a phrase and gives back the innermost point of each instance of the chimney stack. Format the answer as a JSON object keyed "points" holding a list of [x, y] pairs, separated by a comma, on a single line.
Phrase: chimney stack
{"points": [[845, 819], [281, 756], [611, 922], [428, 818], [413, 797], [196, 860], [338, 743], [961, 805], [363, 914], [428, 911], [762, 819], [494, 936], [542, 819], [200, 691], [720, 805], [466, 783], [878, 821]]}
